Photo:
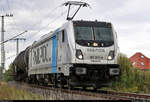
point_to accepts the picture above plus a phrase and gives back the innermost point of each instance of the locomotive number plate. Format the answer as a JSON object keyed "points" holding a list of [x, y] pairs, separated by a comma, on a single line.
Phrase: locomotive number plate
{"points": [[96, 58]]}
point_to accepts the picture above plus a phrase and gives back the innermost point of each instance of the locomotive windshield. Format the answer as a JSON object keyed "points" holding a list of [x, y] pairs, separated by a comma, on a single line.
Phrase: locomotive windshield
{"points": [[93, 33], [83, 33], [86, 35], [103, 34]]}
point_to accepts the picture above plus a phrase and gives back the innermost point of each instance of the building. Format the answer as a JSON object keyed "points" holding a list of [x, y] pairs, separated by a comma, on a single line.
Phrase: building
{"points": [[141, 61]]}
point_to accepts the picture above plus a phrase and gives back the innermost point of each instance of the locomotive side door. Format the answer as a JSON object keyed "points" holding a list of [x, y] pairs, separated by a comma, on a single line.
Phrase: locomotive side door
{"points": [[59, 51]]}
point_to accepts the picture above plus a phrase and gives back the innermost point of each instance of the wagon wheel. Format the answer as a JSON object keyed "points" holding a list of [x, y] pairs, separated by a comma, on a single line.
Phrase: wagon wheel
{"points": [[84, 87], [69, 84], [60, 83], [95, 88], [54, 81], [27, 80], [44, 83]]}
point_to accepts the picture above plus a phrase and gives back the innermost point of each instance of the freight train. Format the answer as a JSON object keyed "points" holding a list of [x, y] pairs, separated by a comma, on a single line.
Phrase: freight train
{"points": [[79, 53]]}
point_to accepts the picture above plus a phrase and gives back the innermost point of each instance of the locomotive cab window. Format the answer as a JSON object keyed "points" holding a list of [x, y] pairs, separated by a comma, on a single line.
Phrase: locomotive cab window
{"points": [[57, 35], [63, 36], [86, 34]]}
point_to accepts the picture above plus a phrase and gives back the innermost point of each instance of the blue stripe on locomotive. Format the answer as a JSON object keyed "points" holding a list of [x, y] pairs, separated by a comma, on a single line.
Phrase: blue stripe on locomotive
{"points": [[54, 53]]}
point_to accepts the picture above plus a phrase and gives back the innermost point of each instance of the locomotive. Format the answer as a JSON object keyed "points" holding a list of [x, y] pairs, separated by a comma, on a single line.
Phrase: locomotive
{"points": [[79, 53]]}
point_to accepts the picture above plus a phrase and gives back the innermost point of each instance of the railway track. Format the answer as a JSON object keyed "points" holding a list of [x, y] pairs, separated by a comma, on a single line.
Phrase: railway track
{"points": [[82, 93], [79, 94], [129, 95]]}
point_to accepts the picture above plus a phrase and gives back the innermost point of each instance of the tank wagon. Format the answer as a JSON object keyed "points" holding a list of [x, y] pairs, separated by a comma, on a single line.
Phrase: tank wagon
{"points": [[20, 65], [79, 53]]}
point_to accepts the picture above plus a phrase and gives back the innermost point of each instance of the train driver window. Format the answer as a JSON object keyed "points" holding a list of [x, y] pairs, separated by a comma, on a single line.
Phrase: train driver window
{"points": [[57, 35], [63, 36]]}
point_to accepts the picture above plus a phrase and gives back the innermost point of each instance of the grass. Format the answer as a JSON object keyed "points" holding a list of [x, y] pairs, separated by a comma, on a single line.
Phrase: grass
{"points": [[11, 93]]}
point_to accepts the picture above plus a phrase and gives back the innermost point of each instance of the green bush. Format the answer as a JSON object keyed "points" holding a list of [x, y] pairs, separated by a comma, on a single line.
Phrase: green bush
{"points": [[132, 79]]}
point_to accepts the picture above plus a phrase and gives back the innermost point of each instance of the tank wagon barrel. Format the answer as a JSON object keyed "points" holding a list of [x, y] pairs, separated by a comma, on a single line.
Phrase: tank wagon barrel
{"points": [[20, 65]]}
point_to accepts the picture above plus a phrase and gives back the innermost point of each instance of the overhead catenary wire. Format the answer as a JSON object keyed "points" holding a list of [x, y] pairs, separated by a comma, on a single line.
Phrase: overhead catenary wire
{"points": [[51, 22], [26, 31], [46, 15], [16, 25], [11, 11], [52, 11], [41, 20], [54, 20], [13, 37]]}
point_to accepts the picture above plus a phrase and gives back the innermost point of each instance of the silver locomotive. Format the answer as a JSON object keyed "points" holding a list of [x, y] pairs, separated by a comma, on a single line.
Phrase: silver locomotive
{"points": [[79, 53]]}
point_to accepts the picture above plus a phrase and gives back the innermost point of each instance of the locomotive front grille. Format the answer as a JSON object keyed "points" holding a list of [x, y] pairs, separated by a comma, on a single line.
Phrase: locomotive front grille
{"points": [[80, 70], [114, 71]]}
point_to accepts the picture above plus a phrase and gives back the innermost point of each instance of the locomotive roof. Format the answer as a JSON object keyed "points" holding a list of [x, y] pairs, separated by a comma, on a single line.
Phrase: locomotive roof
{"points": [[42, 39], [92, 23]]}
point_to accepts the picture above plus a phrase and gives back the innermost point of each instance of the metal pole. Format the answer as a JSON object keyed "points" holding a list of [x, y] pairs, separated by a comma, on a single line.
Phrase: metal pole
{"points": [[68, 18], [2, 46], [2, 49], [17, 46]]}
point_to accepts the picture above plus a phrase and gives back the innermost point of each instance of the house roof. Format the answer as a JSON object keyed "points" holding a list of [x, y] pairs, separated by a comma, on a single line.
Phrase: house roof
{"points": [[140, 60]]}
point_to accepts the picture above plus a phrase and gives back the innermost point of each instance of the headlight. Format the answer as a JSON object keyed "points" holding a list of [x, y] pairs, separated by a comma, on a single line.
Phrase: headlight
{"points": [[80, 70], [79, 54], [111, 55]]}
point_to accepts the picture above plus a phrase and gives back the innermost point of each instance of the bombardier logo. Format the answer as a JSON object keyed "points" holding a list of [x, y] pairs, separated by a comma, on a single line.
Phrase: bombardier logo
{"points": [[95, 50]]}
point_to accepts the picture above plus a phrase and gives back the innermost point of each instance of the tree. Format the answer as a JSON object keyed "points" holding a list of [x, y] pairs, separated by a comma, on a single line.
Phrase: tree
{"points": [[8, 73]]}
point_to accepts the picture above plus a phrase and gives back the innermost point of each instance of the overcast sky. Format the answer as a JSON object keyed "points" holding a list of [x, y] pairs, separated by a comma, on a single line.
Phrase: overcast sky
{"points": [[131, 19]]}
